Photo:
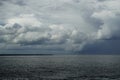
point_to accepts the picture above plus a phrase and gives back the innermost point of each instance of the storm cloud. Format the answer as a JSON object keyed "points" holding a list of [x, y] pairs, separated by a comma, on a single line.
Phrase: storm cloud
{"points": [[67, 25]]}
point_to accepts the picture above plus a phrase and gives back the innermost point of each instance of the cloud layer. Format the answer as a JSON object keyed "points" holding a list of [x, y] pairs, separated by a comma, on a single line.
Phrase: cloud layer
{"points": [[67, 25]]}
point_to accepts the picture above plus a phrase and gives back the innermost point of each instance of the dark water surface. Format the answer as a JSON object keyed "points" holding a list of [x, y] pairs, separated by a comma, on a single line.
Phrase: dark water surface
{"points": [[60, 67]]}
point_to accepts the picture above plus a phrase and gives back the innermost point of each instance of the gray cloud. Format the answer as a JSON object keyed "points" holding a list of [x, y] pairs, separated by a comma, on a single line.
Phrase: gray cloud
{"points": [[68, 25]]}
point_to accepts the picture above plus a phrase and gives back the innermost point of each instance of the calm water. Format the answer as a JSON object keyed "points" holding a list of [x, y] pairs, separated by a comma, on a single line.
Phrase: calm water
{"points": [[60, 67]]}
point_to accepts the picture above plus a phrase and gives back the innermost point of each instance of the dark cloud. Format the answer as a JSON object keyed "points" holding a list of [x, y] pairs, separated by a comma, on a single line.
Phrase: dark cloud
{"points": [[16, 2], [103, 47], [1, 3], [20, 2]]}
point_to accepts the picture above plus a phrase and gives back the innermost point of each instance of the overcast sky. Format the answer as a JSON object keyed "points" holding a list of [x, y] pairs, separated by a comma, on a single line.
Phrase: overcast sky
{"points": [[60, 26]]}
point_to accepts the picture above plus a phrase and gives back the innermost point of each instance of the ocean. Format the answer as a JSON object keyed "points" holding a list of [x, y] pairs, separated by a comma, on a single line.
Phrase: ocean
{"points": [[60, 67]]}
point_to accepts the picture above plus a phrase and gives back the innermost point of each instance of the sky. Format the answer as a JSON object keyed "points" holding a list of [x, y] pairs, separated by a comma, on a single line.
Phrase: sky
{"points": [[60, 26]]}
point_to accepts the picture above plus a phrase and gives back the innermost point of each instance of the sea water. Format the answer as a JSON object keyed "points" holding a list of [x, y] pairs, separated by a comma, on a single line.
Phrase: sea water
{"points": [[60, 67]]}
